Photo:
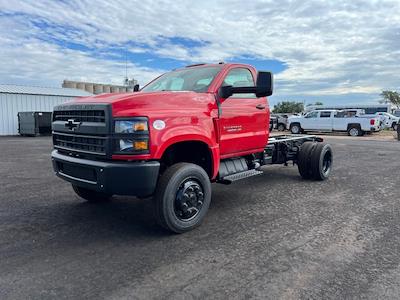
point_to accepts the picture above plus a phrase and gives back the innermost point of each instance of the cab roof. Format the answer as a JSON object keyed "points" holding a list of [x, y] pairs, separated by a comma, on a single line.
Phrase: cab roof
{"points": [[222, 64]]}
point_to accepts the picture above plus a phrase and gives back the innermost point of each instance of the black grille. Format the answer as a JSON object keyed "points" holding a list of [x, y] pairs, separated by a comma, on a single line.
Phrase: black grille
{"points": [[97, 116], [80, 143]]}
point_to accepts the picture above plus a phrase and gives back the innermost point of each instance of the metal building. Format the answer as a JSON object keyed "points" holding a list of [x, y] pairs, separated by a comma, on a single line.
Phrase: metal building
{"points": [[18, 98], [99, 88]]}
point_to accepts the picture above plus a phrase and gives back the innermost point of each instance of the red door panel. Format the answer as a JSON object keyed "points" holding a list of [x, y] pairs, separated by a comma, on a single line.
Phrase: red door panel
{"points": [[243, 126], [244, 118]]}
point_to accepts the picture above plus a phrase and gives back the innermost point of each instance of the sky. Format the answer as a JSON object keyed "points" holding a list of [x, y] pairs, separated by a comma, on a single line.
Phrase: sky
{"points": [[336, 52]]}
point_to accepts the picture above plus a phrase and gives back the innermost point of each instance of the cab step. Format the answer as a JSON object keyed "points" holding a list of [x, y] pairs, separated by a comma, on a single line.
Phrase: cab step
{"points": [[238, 176]]}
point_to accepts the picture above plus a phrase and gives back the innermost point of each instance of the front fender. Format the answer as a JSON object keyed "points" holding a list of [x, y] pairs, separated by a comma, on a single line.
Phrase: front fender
{"points": [[188, 134]]}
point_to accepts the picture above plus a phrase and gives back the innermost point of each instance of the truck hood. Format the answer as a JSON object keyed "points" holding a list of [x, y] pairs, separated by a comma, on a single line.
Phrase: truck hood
{"points": [[140, 103]]}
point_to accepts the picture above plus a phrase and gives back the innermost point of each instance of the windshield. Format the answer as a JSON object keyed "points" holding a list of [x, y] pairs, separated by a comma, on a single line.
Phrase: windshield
{"points": [[191, 79]]}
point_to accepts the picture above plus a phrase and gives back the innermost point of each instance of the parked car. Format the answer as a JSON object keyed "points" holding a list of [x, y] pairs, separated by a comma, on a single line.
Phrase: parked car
{"points": [[333, 120], [390, 121], [273, 121], [281, 121], [396, 113]]}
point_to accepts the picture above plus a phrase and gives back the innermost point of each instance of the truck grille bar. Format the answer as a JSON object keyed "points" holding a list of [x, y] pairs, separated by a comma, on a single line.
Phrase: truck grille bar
{"points": [[81, 143], [97, 116]]}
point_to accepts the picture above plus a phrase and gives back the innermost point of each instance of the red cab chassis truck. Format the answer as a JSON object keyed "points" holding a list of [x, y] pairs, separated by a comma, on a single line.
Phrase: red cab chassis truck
{"points": [[181, 132]]}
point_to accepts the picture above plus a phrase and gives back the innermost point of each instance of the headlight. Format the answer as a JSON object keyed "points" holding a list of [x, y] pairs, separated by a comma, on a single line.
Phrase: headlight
{"points": [[130, 126], [129, 145], [131, 136]]}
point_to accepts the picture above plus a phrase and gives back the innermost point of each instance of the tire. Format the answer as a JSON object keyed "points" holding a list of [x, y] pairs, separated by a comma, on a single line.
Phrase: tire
{"points": [[303, 159], [295, 128], [354, 131], [315, 160], [321, 161], [173, 210], [394, 126], [281, 127], [91, 196]]}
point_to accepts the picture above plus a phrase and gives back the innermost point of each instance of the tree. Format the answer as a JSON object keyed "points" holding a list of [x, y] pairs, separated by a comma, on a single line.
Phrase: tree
{"points": [[390, 97], [288, 107]]}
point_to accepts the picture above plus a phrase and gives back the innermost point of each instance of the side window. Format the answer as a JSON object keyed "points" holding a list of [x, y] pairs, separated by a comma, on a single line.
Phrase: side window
{"points": [[340, 114], [176, 84], [239, 77], [313, 114], [325, 114]]}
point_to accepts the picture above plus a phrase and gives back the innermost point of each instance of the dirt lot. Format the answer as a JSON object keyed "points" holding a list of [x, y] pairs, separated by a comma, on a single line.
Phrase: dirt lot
{"points": [[274, 236]]}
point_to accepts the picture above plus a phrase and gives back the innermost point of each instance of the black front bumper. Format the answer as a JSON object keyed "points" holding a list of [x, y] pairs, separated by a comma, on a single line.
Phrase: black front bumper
{"points": [[116, 178]]}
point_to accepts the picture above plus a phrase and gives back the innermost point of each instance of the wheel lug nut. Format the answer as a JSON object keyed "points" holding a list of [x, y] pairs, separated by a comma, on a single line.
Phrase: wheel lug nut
{"points": [[184, 207]]}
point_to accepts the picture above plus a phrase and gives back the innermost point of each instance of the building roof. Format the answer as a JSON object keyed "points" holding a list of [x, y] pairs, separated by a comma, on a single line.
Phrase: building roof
{"points": [[36, 90]]}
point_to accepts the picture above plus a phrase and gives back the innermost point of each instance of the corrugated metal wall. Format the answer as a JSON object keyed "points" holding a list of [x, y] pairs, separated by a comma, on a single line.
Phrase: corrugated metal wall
{"points": [[11, 104]]}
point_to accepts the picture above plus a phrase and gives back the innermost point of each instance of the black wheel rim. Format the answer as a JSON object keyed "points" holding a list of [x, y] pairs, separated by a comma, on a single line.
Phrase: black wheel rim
{"points": [[189, 200], [327, 163]]}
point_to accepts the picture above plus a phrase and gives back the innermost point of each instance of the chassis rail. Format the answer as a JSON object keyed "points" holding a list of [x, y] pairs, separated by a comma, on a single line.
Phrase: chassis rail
{"points": [[283, 148], [292, 137]]}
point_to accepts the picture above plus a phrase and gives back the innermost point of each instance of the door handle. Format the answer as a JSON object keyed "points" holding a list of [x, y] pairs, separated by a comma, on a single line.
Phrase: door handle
{"points": [[260, 106]]}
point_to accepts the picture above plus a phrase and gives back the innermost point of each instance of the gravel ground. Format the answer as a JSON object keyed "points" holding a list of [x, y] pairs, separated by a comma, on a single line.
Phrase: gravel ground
{"points": [[274, 236]]}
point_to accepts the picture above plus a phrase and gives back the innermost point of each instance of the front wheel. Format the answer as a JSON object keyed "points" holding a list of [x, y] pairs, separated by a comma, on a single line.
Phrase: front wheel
{"points": [[91, 196], [182, 197], [394, 126], [295, 129]]}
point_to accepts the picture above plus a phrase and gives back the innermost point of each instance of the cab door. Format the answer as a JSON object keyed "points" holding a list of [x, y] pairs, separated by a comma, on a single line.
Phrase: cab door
{"points": [[310, 121], [325, 121], [243, 120]]}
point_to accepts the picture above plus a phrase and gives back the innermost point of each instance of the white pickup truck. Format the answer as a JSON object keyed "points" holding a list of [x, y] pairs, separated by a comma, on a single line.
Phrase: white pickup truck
{"points": [[333, 120]]}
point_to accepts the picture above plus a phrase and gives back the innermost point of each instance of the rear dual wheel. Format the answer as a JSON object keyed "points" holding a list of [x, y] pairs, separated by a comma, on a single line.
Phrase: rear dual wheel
{"points": [[315, 160]]}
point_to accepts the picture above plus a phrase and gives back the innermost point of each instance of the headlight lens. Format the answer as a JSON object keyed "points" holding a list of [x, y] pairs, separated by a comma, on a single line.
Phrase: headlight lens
{"points": [[130, 126], [131, 136], [129, 145]]}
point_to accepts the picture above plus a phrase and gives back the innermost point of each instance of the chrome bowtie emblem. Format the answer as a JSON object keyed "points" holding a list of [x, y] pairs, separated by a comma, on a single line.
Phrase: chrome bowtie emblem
{"points": [[71, 124]]}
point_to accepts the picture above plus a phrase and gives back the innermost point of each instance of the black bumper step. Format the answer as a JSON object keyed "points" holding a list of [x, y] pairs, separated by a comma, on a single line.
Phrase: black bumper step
{"points": [[238, 176]]}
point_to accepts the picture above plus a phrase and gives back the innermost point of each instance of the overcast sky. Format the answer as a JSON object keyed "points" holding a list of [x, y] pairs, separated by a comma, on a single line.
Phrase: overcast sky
{"points": [[331, 51]]}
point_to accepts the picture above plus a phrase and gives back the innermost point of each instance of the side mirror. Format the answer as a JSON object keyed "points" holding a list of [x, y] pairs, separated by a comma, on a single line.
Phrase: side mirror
{"points": [[265, 84], [263, 88], [136, 88]]}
